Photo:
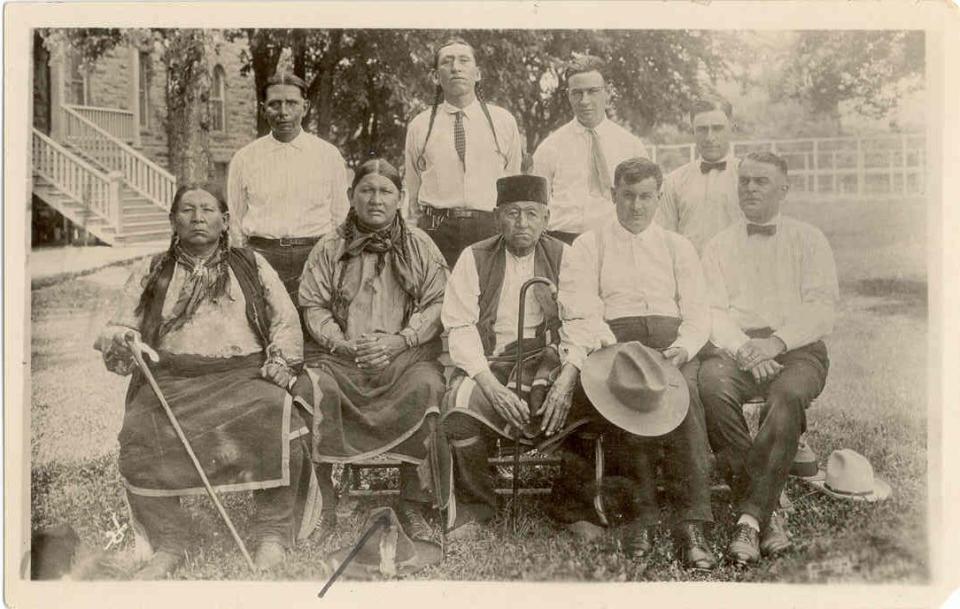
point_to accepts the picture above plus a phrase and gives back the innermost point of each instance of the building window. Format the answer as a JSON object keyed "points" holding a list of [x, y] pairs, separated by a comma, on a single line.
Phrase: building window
{"points": [[76, 84], [143, 89], [218, 95]]}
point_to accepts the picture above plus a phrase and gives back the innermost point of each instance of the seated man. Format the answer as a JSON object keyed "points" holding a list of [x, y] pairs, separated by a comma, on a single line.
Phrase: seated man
{"points": [[371, 293], [480, 312], [630, 280], [772, 285], [228, 337]]}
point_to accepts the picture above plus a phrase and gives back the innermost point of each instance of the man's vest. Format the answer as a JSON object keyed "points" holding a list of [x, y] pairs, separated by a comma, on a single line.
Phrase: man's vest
{"points": [[244, 266], [491, 259]]}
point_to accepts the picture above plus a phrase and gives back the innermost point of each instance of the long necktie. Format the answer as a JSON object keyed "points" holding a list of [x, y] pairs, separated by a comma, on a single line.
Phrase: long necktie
{"points": [[460, 138], [599, 173]]}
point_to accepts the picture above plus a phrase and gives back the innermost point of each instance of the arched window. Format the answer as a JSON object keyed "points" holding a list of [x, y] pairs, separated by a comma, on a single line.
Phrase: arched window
{"points": [[218, 97], [76, 81]]}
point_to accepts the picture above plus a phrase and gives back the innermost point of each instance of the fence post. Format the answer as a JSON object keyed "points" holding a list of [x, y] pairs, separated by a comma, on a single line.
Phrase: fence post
{"points": [[903, 163], [690, 152], [860, 168], [816, 167], [113, 182]]}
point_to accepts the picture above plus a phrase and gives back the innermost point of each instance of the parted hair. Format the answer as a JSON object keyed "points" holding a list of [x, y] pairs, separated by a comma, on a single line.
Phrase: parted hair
{"points": [[636, 170], [285, 78], [709, 103], [769, 158]]}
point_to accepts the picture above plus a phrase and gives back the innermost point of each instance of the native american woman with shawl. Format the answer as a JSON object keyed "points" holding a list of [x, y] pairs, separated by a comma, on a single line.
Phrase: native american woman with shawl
{"points": [[222, 339], [371, 294]]}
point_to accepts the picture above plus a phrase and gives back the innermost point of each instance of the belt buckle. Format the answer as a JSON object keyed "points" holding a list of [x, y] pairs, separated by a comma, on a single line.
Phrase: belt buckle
{"points": [[286, 242]]}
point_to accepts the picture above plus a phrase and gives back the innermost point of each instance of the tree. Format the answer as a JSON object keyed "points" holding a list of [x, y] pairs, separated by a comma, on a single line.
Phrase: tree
{"points": [[871, 69]]}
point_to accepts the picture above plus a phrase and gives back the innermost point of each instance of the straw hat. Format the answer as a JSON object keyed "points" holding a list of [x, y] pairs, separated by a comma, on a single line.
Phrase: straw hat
{"points": [[849, 475], [636, 388], [389, 552]]}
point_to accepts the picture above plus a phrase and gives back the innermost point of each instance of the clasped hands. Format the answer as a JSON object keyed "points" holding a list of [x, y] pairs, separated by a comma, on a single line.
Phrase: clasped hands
{"points": [[373, 351], [516, 411], [757, 357]]}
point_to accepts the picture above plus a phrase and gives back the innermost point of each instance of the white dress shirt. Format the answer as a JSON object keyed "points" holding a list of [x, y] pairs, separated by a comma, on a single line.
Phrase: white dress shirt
{"points": [[286, 189], [612, 273], [461, 310], [565, 159], [443, 182], [699, 205], [786, 282]]}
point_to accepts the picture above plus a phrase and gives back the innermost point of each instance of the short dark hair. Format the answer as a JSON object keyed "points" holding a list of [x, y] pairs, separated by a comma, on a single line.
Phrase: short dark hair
{"points": [[211, 188], [769, 158], [379, 167], [636, 170], [583, 64], [709, 103], [285, 78], [448, 42]]}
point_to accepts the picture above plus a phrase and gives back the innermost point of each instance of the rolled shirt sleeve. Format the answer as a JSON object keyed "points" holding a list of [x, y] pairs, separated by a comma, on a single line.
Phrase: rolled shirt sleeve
{"points": [[460, 314]]}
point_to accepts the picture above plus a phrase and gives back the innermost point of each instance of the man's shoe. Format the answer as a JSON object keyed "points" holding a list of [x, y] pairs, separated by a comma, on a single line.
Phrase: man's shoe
{"points": [[775, 538], [744, 548], [269, 554], [636, 539], [413, 522], [161, 565], [695, 552]]}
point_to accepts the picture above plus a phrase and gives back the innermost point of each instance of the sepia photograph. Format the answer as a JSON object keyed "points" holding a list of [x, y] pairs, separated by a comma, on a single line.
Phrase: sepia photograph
{"points": [[522, 302]]}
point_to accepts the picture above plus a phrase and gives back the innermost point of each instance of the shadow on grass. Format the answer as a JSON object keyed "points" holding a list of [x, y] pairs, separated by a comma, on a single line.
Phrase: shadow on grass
{"points": [[900, 296]]}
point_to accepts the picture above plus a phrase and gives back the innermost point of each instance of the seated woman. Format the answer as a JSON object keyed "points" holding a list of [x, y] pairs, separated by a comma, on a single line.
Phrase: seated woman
{"points": [[224, 338], [371, 293]]}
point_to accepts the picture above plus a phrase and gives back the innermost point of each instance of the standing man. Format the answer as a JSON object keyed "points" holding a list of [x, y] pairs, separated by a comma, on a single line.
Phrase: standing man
{"points": [[773, 287], [288, 188], [579, 158], [455, 152], [700, 198]]}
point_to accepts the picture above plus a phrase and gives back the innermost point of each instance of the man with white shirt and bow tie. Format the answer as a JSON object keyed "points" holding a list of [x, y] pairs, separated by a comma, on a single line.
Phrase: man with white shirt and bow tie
{"points": [[773, 288], [455, 152], [288, 188], [579, 158], [700, 198]]}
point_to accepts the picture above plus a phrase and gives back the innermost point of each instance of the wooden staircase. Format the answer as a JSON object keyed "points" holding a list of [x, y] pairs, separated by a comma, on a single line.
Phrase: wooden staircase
{"points": [[101, 184]]}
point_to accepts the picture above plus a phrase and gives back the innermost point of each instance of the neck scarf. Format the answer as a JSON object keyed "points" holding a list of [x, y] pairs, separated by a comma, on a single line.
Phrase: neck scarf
{"points": [[206, 279], [359, 239]]}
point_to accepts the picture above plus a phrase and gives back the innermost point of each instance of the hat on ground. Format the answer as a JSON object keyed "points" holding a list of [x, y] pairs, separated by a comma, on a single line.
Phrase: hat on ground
{"points": [[849, 475], [522, 188], [805, 462], [388, 552], [636, 388]]}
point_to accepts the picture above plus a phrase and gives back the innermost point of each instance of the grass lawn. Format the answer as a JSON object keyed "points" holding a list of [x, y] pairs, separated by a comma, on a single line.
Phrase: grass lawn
{"points": [[874, 403]]}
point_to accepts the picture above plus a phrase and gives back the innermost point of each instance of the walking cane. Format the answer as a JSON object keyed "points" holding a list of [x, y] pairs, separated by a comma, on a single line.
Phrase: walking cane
{"points": [[519, 386], [434, 455], [134, 348]]}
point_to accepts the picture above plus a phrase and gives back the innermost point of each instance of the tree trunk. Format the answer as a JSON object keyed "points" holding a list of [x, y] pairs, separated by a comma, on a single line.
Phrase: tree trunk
{"points": [[322, 87], [188, 105], [264, 56]]}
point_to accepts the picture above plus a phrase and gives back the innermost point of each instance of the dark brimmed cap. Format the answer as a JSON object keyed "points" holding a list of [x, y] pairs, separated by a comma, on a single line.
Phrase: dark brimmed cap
{"points": [[522, 188]]}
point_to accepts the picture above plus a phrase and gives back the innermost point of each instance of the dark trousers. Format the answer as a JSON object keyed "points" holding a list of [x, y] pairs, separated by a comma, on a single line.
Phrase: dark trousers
{"points": [[684, 451], [471, 444], [757, 469], [453, 234], [288, 262], [277, 510]]}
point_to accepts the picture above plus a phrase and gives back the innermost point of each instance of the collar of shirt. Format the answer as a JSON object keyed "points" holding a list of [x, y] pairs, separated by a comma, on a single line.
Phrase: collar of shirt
{"points": [[471, 110], [775, 221], [581, 128], [621, 233], [298, 142], [520, 260], [730, 158]]}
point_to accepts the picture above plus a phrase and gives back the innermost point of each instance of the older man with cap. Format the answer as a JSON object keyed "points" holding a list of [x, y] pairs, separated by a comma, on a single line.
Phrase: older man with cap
{"points": [[638, 290], [288, 188], [773, 286], [481, 311]]}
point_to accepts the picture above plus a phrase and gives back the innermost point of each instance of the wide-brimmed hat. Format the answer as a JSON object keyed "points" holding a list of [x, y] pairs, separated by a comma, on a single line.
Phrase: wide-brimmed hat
{"points": [[849, 475], [389, 552], [636, 388]]}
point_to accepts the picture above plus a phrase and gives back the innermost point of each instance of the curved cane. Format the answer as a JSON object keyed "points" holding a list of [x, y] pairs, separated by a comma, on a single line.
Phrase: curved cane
{"points": [[519, 384], [138, 358]]}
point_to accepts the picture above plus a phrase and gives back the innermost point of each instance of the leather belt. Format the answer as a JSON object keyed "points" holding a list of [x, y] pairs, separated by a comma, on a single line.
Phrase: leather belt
{"points": [[282, 241], [452, 212]]}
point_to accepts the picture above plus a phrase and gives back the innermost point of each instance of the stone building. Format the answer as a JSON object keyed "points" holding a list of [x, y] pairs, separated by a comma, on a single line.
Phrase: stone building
{"points": [[100, 147]]}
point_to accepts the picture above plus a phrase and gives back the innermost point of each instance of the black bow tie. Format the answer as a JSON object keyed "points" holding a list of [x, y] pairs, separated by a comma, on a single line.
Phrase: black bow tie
{"points": [[707, 166], [761, 229]]}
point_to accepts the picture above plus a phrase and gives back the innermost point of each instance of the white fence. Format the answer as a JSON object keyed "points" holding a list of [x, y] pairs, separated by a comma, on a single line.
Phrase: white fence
{"points": [[879, 166]]}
